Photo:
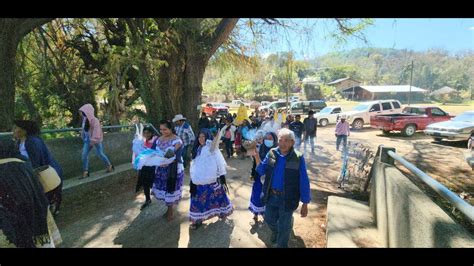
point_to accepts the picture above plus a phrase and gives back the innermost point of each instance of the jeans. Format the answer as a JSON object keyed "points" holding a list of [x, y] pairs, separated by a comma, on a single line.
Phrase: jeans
{"points": [[298, 142], [187, 155], [229, 147], [278, 219], [311, 140], [344, 141], [99, 149]]}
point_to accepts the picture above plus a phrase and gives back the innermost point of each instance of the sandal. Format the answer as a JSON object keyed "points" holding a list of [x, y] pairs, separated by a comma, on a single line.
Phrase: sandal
{"points": [[195, 226]]}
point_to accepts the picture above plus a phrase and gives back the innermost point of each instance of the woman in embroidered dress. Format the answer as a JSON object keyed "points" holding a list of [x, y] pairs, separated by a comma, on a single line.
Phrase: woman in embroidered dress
{"points": [[256, 205], [208, 199], [168, 182]]}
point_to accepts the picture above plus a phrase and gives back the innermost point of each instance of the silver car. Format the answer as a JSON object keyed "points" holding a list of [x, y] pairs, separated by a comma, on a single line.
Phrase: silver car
{"points": [[459, 128]]}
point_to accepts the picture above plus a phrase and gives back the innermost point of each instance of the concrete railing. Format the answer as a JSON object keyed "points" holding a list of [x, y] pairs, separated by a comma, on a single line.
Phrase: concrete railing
{"points": [[405, 216]]}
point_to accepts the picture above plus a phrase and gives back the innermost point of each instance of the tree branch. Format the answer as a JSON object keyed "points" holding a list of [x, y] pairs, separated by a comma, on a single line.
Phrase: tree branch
{"points": [[25, 26], [221, 34]]}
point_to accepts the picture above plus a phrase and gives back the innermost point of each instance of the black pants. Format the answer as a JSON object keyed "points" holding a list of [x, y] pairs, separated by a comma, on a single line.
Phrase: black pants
{"points": [[146, 177], [229, 147]]}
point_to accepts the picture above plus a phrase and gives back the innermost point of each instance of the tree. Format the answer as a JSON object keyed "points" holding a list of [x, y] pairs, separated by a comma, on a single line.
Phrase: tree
{"points": [[12, 30]]}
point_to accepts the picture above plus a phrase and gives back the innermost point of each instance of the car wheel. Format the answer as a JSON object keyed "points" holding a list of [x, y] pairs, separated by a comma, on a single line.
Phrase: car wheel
{"points": [[409, 130], [386, 132], [438, 139], [323, 122], [358, 124]]}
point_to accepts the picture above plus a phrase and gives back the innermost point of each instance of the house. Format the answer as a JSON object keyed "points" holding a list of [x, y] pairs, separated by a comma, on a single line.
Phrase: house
{"points": [[399, 92], [344, 83], [445, 92]]}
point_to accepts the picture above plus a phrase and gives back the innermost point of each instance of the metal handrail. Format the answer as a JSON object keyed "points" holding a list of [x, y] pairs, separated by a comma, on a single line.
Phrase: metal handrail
{"points": [[2, 134], [454, 199]]}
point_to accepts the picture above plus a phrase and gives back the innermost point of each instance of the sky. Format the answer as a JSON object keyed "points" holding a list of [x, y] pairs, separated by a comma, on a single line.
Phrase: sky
{"points": [[454, 35]]}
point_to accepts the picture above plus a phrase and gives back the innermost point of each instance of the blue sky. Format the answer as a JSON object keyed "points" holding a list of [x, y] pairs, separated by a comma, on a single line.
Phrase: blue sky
{"points": [[453, 35]]}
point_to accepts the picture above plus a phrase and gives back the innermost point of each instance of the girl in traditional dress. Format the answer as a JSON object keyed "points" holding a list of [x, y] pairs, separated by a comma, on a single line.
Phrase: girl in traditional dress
{"points": [[208, 187], [256, 205], [146, 175], [168, 182]]}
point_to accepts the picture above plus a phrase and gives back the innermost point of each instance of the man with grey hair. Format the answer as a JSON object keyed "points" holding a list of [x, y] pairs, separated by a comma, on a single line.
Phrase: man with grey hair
{"points": [[286, 183]]}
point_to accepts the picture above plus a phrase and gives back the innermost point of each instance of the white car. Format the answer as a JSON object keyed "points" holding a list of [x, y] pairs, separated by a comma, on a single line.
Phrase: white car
{"points": [[360, 114], [459, 128], [328, 115]]}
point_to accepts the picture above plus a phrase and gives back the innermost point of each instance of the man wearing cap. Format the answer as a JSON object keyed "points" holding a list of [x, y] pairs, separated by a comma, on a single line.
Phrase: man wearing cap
{"points": [[185, 132], [341, 132], [310, 127]]}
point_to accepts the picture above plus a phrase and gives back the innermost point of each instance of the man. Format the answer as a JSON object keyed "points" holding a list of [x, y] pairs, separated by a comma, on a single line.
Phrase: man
{"points": [[203, 121], [286, 183], [341, 132], [185, 132], [310, 127], [289, 120], [297, 127]]}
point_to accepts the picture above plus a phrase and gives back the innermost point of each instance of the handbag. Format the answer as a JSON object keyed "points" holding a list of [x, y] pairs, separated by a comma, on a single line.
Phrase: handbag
{"points": [[48, 177]]}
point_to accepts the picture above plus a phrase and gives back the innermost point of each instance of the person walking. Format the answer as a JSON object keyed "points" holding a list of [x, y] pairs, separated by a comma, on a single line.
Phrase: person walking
{"points": [[32, 146], [310, 128], [146, 174], [93, 136], [229, 137], [203, 121], [297, 127], [185, 132], [264, 145], [168, 182], [342, 131], [208, 187], [286, 184]]}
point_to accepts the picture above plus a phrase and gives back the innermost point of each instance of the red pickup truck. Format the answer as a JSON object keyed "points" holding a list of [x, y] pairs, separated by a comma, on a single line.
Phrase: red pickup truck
{"points": [[411, 119]]}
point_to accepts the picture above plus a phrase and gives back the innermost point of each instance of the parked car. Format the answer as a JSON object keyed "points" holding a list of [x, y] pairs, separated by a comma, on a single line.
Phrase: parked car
{"points": [[459, 128], [361, 113], [220, 108], [328, 115], [273, 105], [304, 107], [410, 120], [263, 103]]}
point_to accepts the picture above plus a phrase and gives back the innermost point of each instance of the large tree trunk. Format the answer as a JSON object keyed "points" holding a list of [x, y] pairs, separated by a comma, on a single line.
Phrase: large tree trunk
{"points": [[11, 32]]}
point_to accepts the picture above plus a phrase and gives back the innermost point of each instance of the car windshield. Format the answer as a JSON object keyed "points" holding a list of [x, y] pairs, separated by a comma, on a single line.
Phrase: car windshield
{"points": [[465, 117], [361, 107], [326, 110]]}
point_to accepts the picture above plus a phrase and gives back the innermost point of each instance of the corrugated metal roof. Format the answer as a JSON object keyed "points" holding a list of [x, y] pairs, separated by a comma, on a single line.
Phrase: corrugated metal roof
{"points": [[443, 90], [339, 80], [392, 88]]}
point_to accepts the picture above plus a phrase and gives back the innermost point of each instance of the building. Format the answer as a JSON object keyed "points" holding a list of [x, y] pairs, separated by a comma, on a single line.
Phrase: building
{"points": [[344, 84], [445, 92], [399, 92]]}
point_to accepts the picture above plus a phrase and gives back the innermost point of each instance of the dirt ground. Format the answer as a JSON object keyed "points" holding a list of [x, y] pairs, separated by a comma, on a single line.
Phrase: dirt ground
{"points": [[112, 218]]}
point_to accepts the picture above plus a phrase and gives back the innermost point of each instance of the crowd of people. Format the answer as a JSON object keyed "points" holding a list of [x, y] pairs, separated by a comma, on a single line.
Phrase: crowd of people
{"points": [[278, 171]]}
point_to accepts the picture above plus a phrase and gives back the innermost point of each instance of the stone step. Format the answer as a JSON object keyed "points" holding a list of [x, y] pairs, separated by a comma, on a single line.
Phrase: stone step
{"points": [[350, 224]]}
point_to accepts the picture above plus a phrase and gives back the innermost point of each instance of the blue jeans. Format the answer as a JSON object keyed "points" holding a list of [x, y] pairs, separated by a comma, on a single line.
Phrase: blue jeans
{"points": [[298, 141], [342, 138], [99, 150], [311, 140], [278, 219]]}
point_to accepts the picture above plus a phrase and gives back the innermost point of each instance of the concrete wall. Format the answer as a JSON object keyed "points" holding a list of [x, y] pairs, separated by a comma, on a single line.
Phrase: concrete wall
{"points": [[406, 217], [67, 151]]}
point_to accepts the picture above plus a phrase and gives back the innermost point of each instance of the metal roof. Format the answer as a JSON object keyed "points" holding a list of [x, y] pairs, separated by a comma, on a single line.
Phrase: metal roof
{"points": [[392, 88]]}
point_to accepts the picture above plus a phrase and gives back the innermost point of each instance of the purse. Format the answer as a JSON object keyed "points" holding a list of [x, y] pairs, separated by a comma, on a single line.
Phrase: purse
{"points": [[48, 177]]}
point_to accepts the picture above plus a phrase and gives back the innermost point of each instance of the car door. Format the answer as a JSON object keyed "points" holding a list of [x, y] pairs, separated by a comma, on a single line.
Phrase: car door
{"points": [[373, 110], [438, 115], [386, 108], [297, 108], [397, 108], [334, 115]]}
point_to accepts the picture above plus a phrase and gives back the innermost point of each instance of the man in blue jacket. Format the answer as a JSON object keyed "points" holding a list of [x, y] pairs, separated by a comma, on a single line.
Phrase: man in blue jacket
{"points": [[286, 184]]}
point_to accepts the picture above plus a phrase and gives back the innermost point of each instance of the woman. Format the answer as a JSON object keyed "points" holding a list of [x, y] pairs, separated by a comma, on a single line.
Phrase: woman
{"points": [[35, 150], [146, 175], [244, 133], [93, 136], [256, 205], [168, 182], [228, 137], [208, 200], [25, 220]]}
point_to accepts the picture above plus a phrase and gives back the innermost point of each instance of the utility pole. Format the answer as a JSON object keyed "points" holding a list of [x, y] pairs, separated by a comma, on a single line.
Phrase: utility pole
{"points": [[411, 79]]}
